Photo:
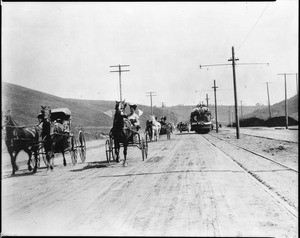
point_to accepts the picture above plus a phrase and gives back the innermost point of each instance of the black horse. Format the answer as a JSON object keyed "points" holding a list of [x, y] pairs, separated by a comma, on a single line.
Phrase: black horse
{"points": [[121, 131], [19, 138], [54, 138]]}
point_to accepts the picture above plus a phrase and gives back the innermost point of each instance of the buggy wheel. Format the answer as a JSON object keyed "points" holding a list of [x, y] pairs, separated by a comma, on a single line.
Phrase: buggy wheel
{"points": [[82, 150], [107, 150], [111, 147], [146, 148], [41, 156], [73, 149], [142, 148]]}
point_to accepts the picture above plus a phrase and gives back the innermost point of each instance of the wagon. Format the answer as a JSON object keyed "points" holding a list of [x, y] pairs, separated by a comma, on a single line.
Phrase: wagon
{"points": [[72, 144], [141, 143]]}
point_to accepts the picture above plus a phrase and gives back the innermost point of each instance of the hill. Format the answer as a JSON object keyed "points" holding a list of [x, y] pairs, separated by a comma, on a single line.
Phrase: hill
{"points": [[277, 110], [25, 105]]}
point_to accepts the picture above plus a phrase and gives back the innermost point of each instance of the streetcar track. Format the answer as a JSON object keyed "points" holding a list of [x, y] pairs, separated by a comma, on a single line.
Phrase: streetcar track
{"points": [[275, 195], [289, 141], [255, 153]]}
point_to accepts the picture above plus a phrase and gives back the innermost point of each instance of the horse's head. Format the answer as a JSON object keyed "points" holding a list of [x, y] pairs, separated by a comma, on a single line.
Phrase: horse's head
{"points": [[120, 107], [46, 112]]}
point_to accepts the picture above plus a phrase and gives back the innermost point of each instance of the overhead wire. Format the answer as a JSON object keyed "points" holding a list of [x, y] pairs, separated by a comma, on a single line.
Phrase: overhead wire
{"points": [[249, 33]]}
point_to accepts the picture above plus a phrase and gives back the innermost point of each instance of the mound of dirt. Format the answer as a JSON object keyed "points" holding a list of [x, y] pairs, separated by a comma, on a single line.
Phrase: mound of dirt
{"points": [[280, 121], [272, 122]]}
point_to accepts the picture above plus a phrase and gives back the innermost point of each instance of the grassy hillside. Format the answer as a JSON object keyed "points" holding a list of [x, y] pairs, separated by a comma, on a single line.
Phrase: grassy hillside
{"points": [[25, 105], [277, 110]]}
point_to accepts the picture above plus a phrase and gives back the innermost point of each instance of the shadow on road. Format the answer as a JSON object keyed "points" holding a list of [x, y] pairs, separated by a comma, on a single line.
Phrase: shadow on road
{"points": [[92, 165]]}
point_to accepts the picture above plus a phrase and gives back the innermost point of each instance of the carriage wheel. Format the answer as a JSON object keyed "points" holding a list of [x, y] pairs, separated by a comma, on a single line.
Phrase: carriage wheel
{"points": [[111, 144], [107, 150], [42, 155], [142, 148], [73, 150], [146, 147], [82, 150]]}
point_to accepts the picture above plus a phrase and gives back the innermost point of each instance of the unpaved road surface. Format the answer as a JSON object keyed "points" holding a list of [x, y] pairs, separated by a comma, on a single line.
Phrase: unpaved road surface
{"points": [[187, 186]]}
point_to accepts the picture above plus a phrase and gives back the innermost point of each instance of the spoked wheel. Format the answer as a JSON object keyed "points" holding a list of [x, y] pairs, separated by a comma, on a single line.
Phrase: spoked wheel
{"points": [[73, 149], [141, 146], [41, 156], [109, 150], [82, 149], [146, 148]]}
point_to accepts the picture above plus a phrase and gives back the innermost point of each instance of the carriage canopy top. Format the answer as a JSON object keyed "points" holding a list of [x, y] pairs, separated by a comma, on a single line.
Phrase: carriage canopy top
{"points": [[60, 113]]}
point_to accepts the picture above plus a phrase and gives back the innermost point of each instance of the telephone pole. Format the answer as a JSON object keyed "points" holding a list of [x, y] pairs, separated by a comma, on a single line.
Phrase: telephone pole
{"points": [[233, 59], [207, 100], [269, 99], [150, 94], [216, 113], [119, 71], [234, 84], [285, 102], [162, 106]]}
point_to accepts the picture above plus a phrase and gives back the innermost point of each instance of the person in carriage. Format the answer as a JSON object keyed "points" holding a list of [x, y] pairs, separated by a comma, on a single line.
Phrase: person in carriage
{"points": [[134, 119], [163, 121]]}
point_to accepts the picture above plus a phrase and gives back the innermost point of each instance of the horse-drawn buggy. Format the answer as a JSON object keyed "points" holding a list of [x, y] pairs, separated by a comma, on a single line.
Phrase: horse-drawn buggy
{"points": [[123, 135], [52, 135], [156, 128]]}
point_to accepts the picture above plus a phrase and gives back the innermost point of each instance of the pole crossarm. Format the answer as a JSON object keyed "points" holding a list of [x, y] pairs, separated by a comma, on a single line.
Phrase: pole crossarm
{"points": [[208, 65], [120, 71], [122, 65]]}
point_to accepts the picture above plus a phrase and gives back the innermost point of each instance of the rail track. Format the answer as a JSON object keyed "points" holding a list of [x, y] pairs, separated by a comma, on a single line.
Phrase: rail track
{"points": [[268, 189], [262, 156], [270, 138]]}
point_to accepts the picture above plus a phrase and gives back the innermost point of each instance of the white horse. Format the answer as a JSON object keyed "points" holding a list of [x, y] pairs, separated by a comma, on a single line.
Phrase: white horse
{"points": [[156, 126]]}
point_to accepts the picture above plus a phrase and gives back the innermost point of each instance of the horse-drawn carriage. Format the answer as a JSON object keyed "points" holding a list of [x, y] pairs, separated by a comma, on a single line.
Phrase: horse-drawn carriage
{"points": [[62, 139], [156, 128], [122, 135], [138, 142], [34, 140]]}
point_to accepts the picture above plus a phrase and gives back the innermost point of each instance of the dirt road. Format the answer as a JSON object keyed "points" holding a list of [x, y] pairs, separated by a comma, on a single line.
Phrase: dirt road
{"points": [[186, 187]]}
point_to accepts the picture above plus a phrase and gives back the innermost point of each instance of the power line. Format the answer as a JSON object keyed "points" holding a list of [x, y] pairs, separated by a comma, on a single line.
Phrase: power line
{"points": [[253, 27]]}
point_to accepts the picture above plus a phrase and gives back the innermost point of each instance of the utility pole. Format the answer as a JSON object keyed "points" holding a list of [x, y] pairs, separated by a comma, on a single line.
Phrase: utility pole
{"points": [[162, 106], [235, 95], [207, 100], [234, 83], [151, 95], [285, 102], [216, 113], [119, 71], [269, 99]]}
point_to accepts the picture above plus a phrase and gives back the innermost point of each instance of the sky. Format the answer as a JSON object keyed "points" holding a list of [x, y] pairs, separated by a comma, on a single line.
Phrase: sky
{"points": [[66, 49]]}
